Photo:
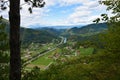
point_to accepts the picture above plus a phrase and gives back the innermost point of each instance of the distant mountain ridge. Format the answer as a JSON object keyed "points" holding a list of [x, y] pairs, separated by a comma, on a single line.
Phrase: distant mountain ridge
{"points": [[87, 30], [55, 27], [85, 33], [46, 34], [31, 35]]}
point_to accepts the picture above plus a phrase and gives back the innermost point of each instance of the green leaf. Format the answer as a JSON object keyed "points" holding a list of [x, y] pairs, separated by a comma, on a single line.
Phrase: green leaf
{"points": [[30, 9]]}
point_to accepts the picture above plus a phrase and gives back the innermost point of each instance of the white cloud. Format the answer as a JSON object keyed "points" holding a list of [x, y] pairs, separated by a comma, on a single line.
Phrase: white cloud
{"points": [[91, 4], [50, 3], [72, 2], [79, 14], [85, 12], [34, 18]]}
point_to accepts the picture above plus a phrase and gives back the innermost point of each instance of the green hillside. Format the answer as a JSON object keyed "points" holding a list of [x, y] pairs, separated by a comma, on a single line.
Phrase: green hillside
{"points": [[84, 33], [46, 35], [32, 35], [88, 29], [36, 36]]}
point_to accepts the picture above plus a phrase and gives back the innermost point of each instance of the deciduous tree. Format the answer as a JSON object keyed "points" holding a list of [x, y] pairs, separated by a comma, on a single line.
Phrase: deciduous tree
{"points": [[14, 19]]}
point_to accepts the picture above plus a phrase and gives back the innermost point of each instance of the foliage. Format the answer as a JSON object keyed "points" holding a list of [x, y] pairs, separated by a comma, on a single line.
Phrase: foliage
{"points": [[84, 68], [34, 74], [88, 30], [89, 33], [112, 5], [14, 18], [29, 36], [4, 50], [36, 36], [112, 39], [32, 4], [101, 66]]}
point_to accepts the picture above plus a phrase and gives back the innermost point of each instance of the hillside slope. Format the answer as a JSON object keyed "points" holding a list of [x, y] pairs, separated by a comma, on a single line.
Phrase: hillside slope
{"points": [[87, 30], [31, 35]]}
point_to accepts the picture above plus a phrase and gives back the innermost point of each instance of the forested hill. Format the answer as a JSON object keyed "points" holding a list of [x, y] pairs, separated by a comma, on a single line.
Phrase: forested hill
{"points": [[87, 30], [51, 30], [31, 35], [46, 35], [36, 36]]}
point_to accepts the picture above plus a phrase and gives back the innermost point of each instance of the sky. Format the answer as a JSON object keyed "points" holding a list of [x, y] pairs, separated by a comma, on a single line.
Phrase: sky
{"points": [[61, 13]]}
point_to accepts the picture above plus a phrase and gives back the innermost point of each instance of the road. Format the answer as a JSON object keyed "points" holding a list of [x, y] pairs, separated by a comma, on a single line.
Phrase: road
{"points": [[63, 40]]}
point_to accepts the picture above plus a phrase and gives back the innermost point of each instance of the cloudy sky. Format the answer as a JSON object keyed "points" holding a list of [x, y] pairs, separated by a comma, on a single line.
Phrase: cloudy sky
{"points": [[61, 12]]}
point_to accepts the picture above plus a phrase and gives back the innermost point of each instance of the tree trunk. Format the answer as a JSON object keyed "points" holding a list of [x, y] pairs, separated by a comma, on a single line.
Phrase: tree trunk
{"points": [[15, 59]]}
